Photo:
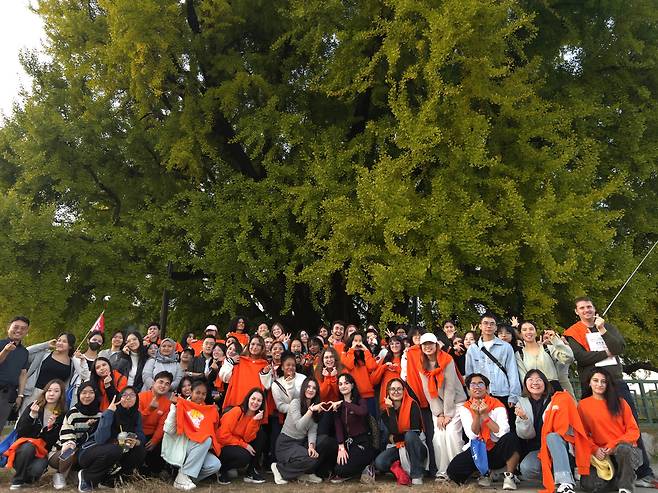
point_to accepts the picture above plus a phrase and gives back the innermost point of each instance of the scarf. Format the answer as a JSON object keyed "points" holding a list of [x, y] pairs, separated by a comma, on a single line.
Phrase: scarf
{"points": [[198, 422], [485, 433], [561, 417], [578, 332], [404, 416], [119, 382], [435, 377]]}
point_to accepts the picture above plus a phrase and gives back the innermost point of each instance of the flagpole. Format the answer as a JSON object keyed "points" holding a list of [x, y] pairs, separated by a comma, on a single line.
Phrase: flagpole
{"points": [[629, 278], [88, 332]]}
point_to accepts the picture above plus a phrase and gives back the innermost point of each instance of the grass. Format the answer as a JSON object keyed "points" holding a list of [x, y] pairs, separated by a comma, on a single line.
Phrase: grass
{"points": [[384, 484]]}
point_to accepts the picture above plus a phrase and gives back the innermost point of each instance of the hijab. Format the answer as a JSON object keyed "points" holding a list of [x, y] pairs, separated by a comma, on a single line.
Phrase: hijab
{"points": [[126, 419], [91, 409]]}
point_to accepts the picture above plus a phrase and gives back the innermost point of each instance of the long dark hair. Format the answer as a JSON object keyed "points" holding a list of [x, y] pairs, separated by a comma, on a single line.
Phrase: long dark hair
{"points": [[70, 338], [611, 396], [234, 324], [359, 356], [356, 396], [95, 379], [304, 404], [389, 354], [245, 402], [142, 350]]}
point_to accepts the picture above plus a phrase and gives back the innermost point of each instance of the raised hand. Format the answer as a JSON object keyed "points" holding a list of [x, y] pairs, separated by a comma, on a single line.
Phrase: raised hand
{"points": [[113, 404]]}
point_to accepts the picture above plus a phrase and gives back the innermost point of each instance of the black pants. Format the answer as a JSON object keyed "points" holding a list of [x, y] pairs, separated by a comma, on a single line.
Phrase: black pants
{"points": [[625, 393], [237, 457], [428, 426], [28, 467], [153, 463], [360, 454], [97, 461], [462, 466], [327, 450]]}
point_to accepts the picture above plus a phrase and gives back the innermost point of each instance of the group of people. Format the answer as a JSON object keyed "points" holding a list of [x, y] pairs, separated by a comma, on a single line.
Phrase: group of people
{"points": [[493, 403]]}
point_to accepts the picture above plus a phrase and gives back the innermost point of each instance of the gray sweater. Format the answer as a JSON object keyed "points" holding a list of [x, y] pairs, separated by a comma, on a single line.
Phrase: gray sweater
{"points": [[297, 426]]}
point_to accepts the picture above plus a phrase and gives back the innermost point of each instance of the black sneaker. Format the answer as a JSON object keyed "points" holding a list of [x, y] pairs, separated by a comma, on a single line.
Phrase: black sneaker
{"points": [[254, 477], [222, 478]]}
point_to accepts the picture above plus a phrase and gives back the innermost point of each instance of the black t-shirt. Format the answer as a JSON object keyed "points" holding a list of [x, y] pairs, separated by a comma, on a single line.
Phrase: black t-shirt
{"points": [[11, 367], [51, 368]]}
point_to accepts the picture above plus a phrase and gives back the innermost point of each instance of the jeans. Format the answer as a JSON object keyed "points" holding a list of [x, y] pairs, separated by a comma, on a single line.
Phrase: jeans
{"points": [[415, 450], [625, 393], [531, 467]]}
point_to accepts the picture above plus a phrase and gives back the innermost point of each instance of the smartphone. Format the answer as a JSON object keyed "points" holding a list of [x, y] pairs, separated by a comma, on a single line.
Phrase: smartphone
{"points": [[67, 453]]}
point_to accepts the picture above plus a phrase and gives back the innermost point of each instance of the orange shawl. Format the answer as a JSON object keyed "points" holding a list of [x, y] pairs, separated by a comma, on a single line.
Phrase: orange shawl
{"points": [[562, 415], [198, 422], [434, 377], [39, 445], [242, 337], [404, 416], [485, 433], [578, 332]]}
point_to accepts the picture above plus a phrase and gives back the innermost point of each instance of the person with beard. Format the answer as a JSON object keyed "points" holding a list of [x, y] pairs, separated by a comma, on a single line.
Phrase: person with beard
{"points": [[360, 364], [78, 422], [107, 381], [37, 429], [132, 360], [164, 360], [95, 341], [109, 448]]}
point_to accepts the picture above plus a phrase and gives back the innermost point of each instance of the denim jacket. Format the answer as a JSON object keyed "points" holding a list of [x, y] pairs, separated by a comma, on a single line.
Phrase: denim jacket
{"points": [[501, 385]]}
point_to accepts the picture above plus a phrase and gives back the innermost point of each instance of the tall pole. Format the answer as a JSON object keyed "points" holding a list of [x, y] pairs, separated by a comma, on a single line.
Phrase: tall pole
{"points": [[415, 314]]}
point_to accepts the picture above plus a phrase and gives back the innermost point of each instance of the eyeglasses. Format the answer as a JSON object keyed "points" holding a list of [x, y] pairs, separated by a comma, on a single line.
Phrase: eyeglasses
{"points": [[477, 385], [396, 389], [130, 395]]}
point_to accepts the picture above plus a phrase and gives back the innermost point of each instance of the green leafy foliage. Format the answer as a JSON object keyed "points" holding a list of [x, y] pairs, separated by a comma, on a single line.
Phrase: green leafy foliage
{"points": [[309, 160]]}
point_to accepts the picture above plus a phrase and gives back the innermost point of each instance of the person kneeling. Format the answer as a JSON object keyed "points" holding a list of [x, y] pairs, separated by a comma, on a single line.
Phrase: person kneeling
{"points": [[190, 439], [485, 418], [297, 457], [406, 453], [613, 431], [117, 446]]}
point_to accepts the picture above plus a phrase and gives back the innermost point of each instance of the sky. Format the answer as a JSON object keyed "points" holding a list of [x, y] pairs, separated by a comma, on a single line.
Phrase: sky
{"points": [[19, 29]]}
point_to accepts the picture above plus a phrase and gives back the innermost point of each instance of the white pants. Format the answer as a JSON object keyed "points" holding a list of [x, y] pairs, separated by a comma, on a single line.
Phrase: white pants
{"points": [[447, 442]]}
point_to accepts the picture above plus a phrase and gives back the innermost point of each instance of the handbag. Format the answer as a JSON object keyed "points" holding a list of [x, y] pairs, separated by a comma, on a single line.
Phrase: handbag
{"points": [[479, 454], [5, 444]]}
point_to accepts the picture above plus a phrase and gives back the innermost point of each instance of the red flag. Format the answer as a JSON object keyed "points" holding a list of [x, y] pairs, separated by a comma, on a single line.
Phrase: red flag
{"points": [[99, 324]]}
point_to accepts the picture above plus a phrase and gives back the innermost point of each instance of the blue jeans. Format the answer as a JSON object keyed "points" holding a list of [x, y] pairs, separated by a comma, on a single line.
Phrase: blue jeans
{"points": [[531, 467], [415, 450]]}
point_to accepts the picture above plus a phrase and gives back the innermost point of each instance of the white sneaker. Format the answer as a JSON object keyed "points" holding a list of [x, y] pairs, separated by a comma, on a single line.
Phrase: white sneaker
{"points": [[484, 482], [310, 478], [416, 481], [508, 481], [59, 481], [278, 479], [183, 482], [442, 476]]}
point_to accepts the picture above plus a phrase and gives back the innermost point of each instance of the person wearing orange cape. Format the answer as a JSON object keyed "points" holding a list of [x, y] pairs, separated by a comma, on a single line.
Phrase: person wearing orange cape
{"points": [[404, 423], [38, 430], [485, 417], [388, 368], [359, 362], [613, 433], [547, 422], [190, 440]]}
